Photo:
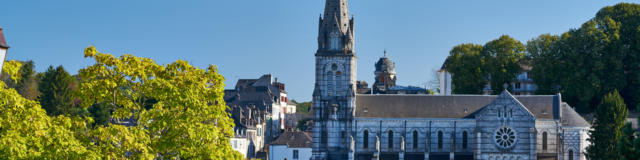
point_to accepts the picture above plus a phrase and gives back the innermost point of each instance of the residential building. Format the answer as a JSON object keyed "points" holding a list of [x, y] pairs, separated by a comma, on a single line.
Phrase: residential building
{"points": [[291, 146], [259, 108]]}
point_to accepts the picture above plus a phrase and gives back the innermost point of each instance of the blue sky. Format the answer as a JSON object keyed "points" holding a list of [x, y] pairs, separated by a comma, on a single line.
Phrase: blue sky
{"points": [[248, 38]]}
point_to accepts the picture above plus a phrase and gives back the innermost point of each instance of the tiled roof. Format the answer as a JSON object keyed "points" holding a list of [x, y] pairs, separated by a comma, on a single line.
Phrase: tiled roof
{"points": [[446, 106], [3, 42], [294, 140]]}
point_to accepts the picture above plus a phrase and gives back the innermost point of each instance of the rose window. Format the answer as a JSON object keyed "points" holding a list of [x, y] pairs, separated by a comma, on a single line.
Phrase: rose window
{"points": [[505, 137]]}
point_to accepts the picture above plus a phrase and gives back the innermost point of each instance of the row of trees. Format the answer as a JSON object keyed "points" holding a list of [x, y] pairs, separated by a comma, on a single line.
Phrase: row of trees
{"points": [[176, 110], [583, 64]]}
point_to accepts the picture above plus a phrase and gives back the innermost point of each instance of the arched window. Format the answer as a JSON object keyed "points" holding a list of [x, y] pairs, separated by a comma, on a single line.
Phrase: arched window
{"points": [[415, 139], [390, 139], [544, 140], [439, 139], [570, 154], [464, 139], [365, 139]]}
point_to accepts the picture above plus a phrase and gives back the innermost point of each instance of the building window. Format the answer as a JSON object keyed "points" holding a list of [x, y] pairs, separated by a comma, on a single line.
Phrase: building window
{"points": [[295, 154], [570, 154], [259, 131], [338, 80], [439, 139], [323, 137], [390, 139], [415, 139], [518, 85], [544, 140], [464, 140], [365, 139], [334, 43], [330, 85]]}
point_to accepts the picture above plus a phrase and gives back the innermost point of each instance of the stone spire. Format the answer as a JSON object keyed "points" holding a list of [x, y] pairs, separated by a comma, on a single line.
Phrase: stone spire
{"points": [[336, 35], [337, 12]]}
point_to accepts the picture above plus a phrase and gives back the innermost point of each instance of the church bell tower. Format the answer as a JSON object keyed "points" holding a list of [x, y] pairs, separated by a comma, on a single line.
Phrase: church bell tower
{"points": [[334, 93]]}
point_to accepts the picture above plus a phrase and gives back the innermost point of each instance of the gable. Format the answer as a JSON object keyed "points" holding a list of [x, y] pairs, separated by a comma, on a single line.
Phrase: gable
{"points": [[504, 106]]}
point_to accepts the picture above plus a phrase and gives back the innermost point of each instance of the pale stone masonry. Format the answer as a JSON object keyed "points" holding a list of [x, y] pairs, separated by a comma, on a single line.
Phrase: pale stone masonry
{"points": [[348, 125]]}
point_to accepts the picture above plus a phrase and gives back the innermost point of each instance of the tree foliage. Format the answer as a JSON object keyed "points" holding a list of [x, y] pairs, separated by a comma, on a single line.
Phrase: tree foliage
{"points": [[610, 116], [177, 109], [26, 132], [583, 64], [473, 66], [629, 144], [27, 85], [503, 57], [188, 119], [57, 94], [468, 69], [588, 62]]}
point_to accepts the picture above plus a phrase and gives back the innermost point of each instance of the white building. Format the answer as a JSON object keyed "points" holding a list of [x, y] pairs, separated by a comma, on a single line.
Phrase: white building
{"points": [[291, 146]]}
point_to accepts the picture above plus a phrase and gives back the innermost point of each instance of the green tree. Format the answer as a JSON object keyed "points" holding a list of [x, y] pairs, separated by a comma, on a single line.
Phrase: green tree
{"points": [[544, 63], [57, 94], [503, 57], [27, 85], [189, 119], [101, 114], [26, 132], [468, 69], [303, 108], [628, 144], [610, 117], [622, 21]]}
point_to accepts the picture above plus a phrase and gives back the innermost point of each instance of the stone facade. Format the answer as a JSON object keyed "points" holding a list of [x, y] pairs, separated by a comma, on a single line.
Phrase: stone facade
{"points": [[348, 125]]}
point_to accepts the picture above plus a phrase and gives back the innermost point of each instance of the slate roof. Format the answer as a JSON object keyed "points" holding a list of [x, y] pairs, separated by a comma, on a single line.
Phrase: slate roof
{"points": [[571, 118], [446, 106], [385, 64], [294, 140]]}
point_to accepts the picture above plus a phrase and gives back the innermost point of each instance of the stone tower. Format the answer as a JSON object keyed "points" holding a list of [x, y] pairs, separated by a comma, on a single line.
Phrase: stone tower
{"points": [[334, 93], [385, 75]]}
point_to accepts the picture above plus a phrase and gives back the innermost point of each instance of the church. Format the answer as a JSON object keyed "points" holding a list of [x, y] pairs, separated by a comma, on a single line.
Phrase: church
{"points": [[349, 125]]}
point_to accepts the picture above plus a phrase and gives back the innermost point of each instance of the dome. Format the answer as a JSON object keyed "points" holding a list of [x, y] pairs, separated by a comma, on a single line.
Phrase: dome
{"points": [[385, 64]]}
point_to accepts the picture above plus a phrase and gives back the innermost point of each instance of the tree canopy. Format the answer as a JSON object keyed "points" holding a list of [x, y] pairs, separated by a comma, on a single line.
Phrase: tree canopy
{"points": [[473, 65], [161, 111], [583, 64], [57, 94]]}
